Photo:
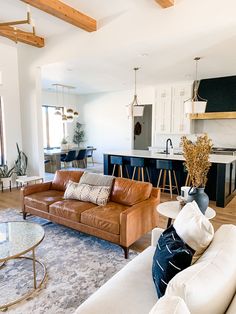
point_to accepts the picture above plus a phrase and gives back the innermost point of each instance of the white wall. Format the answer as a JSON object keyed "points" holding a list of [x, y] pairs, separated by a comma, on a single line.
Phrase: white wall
{"points": [[107, 126], [9, 91]]}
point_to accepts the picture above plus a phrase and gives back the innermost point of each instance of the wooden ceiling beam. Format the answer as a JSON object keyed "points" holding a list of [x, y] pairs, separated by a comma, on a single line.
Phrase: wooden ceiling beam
{"points": [[65, 12], [165, 3], [18, 35]]}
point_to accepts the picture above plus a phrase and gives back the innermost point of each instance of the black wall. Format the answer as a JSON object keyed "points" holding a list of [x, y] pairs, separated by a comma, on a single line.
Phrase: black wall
{"points": [[220, 93]]}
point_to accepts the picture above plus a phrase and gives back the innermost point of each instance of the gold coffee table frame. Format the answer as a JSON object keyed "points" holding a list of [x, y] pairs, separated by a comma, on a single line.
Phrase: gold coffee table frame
{"points": [[36, 287]]}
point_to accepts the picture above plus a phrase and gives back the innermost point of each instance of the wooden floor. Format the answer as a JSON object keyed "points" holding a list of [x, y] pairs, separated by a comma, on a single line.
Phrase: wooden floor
{"points": [[225, 215]]}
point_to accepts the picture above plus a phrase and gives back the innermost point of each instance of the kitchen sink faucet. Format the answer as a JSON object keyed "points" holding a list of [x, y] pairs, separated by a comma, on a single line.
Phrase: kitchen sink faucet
{"points": [[171, 145]]}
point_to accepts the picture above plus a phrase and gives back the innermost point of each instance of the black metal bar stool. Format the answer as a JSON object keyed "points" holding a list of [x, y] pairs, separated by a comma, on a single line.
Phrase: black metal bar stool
{"points": [[117, 161], [139, 165], [166, 166]]}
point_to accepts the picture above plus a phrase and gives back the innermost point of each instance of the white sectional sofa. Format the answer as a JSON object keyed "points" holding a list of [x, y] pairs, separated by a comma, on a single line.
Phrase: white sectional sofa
{"points": [[206, 287]]}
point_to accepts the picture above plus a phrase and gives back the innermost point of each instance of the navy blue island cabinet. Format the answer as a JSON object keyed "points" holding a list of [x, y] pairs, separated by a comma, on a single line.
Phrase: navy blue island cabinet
{"points": [[221, 184]]}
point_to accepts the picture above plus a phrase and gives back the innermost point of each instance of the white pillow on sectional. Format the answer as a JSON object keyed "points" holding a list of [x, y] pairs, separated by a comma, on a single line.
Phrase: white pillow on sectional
{"points": [[208, 286], [170, 305], [232, 308], [194, 228]]}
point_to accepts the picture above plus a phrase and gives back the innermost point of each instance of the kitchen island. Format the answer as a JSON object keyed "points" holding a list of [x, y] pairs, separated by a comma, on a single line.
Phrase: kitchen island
{"points": [[221, 183]]}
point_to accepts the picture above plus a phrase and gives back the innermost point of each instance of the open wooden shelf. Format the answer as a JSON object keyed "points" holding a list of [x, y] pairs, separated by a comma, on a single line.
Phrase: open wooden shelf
{"points": [[213, 115]]}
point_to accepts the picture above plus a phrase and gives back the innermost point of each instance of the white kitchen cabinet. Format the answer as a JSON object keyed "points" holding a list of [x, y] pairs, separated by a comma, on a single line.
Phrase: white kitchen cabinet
{"points": [[180, 123], [163, 110], [170, 117]]}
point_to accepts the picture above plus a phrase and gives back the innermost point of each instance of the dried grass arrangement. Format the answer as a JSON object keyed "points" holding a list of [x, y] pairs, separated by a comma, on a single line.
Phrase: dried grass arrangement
{"points": [[197, 159]]}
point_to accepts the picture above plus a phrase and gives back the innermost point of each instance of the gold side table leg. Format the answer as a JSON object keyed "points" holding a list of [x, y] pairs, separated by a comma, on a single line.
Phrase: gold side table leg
{"points": [[34, 269], [4, 307]]}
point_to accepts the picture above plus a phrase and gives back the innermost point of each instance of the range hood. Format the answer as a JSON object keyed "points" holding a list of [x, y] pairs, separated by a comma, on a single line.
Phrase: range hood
{"points": [[221, 95]]}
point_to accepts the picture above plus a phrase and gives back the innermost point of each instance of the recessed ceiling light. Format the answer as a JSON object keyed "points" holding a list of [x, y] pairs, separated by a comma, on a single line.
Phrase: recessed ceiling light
{"points": [[144, 54], [69, 70], [188, 76]]}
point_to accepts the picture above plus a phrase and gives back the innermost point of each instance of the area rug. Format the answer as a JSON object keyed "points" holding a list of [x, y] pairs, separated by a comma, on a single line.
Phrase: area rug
{"points": [[77, 265]]}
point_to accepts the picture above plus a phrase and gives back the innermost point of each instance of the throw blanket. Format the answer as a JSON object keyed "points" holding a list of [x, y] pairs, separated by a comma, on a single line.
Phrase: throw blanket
{"points": [[96, 179]]}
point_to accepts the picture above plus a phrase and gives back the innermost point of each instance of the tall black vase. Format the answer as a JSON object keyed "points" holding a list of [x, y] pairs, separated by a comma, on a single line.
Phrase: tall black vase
{"points": [[200, 197]]}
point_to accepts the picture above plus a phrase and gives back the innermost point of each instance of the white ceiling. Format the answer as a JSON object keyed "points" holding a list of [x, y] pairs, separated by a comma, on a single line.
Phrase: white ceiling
{"points": [[138, 33]]}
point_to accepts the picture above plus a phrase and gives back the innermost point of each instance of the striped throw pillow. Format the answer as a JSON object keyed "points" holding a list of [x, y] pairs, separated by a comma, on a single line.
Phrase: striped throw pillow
{"points": [[88, 193], [171, 256]]}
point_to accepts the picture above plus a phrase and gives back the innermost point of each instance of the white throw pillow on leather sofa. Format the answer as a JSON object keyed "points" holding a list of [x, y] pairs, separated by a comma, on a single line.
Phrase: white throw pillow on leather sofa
{"points": [[208, 286], [170, 305]]}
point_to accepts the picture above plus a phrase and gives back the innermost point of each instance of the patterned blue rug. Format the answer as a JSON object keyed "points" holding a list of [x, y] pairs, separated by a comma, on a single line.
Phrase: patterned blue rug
{"points": [[77, 265]]}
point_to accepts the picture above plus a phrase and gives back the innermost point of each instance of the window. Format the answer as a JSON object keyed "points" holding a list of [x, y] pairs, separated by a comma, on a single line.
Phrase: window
{"points": [[54, 129], [1, 136]]}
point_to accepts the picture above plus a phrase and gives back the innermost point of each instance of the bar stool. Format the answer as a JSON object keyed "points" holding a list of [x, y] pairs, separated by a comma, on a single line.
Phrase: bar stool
{"points": [[117, 161], [188, 180], [166, 166], [139, 164]]}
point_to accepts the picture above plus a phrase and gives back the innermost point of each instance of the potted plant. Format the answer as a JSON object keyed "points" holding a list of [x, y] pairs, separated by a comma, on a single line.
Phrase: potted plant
{"points": [[64, 144], [78, 137], [21, 163], [197, 164], [5, 175]]}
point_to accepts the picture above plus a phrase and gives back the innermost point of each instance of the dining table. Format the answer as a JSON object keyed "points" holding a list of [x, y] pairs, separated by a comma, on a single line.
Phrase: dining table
{"points": [[54, 156]]}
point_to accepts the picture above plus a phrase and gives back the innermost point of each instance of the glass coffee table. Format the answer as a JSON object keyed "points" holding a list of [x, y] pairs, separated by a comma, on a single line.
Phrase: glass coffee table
{"points": [[16, 239]]}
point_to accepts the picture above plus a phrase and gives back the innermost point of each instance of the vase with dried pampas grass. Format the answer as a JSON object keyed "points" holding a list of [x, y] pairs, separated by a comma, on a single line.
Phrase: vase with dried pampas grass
{"points": [[197, 163]]}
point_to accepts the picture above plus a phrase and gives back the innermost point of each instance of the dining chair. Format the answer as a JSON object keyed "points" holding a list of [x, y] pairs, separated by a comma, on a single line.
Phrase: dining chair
{"points": [[63, 156], [49, 163], [69, 157], [89, 153], [81, 157]]}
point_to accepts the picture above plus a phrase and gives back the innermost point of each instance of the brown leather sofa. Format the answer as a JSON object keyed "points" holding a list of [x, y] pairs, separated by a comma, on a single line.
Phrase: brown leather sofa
{"points": [[129, 214]]}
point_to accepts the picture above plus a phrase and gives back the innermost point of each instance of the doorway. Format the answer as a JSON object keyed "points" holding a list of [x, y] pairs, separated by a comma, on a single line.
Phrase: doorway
{"points": [[142, 130]]}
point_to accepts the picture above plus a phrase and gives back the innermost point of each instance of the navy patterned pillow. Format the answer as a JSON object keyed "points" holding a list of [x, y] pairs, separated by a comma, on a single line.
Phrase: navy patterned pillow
{"points": [[171, 256]]}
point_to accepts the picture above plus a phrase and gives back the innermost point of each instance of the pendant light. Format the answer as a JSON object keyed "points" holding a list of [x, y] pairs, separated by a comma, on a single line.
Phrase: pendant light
{"points": [[64, 118], [69, 111], [136, 110], [196, 104], [57, 112]]}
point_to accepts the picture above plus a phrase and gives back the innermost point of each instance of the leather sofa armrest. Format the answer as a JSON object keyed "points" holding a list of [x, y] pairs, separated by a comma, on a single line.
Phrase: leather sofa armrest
{"points": [[139, 219], [35, 188]]}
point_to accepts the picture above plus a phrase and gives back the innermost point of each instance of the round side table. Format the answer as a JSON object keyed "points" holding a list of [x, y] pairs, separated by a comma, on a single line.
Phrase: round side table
{"points": [[171, 210]]}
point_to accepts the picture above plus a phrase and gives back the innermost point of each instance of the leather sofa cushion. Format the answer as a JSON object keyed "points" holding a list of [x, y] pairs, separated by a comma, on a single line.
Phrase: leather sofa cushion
{"points": [[70, 209], [106, 218], [42, 200], [62, 177], [130, 192]]}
